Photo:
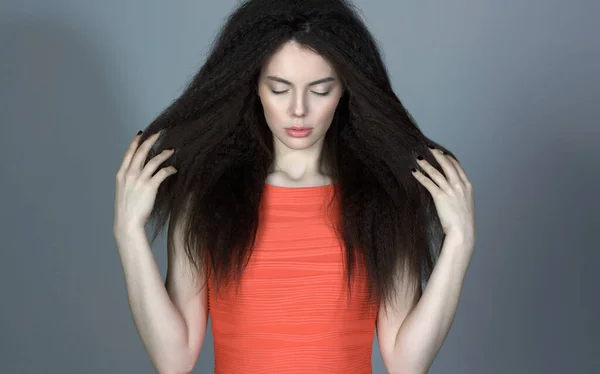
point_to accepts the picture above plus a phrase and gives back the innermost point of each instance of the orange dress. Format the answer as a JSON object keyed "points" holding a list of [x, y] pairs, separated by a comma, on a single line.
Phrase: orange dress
{"points": [[292, 313]]}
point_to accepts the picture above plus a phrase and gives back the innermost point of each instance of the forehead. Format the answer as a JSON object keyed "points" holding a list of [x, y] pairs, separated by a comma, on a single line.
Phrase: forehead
{"points": [[297, 63]]}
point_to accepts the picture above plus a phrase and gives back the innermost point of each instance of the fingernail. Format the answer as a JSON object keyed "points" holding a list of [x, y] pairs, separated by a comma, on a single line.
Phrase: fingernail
{"points": [[414, 170], [419, 158], [140, 132], [431, 146]]}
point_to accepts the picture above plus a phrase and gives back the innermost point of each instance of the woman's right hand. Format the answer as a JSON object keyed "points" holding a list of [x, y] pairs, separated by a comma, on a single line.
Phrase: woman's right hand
{"points": [[137, 185]]}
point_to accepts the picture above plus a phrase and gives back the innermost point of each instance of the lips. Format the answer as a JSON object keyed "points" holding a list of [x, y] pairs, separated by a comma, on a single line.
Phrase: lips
{"points": [[298, 132], [299, 128]]}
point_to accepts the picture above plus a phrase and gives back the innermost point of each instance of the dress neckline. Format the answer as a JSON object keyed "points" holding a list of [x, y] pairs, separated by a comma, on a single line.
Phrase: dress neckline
{"points": [[272, 186], [300, 192]]}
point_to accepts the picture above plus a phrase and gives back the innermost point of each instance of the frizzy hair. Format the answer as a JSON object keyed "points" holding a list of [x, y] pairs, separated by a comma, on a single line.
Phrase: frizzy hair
{"points": [[224, 149]]}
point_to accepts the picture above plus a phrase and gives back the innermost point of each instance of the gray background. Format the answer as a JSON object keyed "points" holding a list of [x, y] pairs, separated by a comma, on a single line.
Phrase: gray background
{"points": [[511, 86]]}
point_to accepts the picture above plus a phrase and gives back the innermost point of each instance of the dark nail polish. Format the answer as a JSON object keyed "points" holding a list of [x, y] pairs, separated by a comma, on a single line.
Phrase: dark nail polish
{"points": [[139, 132], [431, 146], [414, 170], [419, 158]]}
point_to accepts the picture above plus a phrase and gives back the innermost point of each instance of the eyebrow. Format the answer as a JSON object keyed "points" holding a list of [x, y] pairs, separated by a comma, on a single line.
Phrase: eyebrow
{"points": [[318, 81]]}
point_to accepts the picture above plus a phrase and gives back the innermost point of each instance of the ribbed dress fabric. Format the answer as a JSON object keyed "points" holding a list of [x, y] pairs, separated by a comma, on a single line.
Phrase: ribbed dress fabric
{"points": [[291, 312]]}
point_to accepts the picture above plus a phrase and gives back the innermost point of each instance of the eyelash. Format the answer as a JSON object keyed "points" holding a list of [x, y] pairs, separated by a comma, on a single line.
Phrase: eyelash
{"points": [[316, 93]]}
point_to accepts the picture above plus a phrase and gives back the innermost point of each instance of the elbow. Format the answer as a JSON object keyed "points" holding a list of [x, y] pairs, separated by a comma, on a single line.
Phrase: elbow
{"points": [[174, 369], [178, 357], [398, 363], [403, 368], [176, 364]]}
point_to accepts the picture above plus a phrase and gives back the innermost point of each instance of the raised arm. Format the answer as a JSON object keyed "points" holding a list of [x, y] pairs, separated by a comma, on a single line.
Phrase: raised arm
{"points": [[170, 318], [411, 336]]}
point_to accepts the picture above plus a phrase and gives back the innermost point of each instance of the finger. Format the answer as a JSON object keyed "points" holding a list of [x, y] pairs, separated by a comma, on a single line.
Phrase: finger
{"points": [[460, 171], [129, 152], [434, 174], [447, 166], [161, 175], [433, 189], [142, 153], [155, 162]]}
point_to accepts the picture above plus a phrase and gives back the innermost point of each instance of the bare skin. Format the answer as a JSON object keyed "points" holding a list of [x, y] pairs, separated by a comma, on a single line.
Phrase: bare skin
{"points": [[170, 317], [298, 87]]}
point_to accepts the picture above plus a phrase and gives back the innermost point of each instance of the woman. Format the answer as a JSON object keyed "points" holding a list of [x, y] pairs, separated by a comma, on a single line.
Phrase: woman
{"points": [[305, 208]]}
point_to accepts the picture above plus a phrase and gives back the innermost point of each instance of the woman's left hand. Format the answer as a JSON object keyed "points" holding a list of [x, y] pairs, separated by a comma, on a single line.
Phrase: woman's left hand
{"points": [[453, 197]]}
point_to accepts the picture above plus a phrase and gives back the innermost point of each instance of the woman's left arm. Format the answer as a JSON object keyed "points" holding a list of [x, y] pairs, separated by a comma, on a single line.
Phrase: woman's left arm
{"points": [[410, 342]]}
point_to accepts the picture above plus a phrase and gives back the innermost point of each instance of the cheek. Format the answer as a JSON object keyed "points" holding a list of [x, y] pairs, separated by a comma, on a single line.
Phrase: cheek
{"points": [[272, 109], [327, 110]]}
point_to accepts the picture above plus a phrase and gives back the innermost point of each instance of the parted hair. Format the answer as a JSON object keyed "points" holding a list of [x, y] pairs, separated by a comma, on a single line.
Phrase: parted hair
{"points": [[224, 150]]}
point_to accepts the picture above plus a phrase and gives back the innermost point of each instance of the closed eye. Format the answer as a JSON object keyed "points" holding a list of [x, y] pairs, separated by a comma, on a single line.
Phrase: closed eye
{"points": [[316, 93]]}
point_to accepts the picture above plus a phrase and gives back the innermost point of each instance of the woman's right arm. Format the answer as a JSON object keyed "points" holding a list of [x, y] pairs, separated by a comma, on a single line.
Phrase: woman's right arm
{"points": [[170, 317]]}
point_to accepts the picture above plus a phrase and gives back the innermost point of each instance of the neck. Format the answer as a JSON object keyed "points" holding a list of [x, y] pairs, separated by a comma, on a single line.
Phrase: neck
{"points": [[302, 165]]}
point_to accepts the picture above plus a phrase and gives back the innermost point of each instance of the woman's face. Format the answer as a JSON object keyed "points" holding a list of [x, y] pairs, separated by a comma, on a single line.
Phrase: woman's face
{"points": [[299, 91]]}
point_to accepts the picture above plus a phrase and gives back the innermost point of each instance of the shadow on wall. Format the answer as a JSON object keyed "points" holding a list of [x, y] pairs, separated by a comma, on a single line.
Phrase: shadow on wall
{"points": [[63, 119]]}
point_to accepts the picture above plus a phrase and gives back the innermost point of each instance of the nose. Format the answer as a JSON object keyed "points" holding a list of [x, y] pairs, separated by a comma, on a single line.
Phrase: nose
{"points": [[298, 105]]}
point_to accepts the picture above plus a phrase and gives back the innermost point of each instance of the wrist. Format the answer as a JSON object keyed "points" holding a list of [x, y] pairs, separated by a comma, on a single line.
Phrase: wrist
{"points": [[459, 238], [128, 234], [457, 251]]}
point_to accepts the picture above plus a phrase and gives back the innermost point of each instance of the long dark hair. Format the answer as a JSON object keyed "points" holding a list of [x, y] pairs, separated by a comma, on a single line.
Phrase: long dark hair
{"points": [[224, 149]]}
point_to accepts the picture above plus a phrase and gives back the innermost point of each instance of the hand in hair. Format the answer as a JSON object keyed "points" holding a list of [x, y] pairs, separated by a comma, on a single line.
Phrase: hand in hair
{"points": [[453, 197], [137, 185]]}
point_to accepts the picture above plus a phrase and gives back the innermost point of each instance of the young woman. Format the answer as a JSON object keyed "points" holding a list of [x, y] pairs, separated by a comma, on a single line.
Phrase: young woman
{"points": [[305, 207]]}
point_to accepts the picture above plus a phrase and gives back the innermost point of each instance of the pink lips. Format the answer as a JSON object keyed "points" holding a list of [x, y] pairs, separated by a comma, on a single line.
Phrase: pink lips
{"points": [[298, 131]]}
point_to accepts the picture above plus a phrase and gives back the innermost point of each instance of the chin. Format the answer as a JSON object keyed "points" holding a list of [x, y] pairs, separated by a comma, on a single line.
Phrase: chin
{"points": [[298, 144]]}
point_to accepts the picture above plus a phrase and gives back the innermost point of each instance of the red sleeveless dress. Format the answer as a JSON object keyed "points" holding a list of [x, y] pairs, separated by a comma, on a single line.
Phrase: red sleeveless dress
{"points": [[292, 313]]}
